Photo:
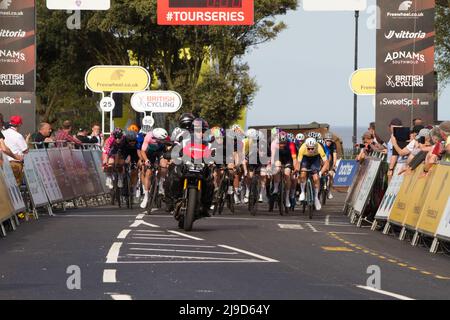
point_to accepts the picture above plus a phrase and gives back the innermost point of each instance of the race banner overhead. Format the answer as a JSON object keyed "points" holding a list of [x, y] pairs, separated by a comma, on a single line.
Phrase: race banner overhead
{"points": [[17, 46], [78, 4], [406, 83], [206, 12], [334, 5]]}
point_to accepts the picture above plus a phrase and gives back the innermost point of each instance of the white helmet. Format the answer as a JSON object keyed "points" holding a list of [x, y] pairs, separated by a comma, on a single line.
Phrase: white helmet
{"points": [[318, 136], [252, 134], [311, 143], [300, 137], [160, 134]]}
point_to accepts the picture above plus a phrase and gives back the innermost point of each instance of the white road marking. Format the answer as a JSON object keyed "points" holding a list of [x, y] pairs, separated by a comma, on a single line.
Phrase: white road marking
{"points": [[194, 261], [121, 297], [387, 293], [150, 231], [291, 226], [137, 223], [185, 235], [169, 245], [327, 220], [140, 216], [154, 235], [249, 253], [174, 250], [95, 216], [181, 257], [156, 238], [311, 227], [123, 234], [109, 276], [113, 253]]}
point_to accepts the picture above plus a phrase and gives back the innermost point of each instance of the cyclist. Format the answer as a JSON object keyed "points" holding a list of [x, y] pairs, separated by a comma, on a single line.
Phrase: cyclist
{"points": [[287, 157], [110, 151], [309, 156], [237, 135], [255, 150], [128, 152], [152, 150], [331, 145]]}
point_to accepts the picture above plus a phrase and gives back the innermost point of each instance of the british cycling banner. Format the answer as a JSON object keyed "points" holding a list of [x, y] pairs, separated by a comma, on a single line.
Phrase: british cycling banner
{"points": [[17, 46], [406, 83], [205, 12]]}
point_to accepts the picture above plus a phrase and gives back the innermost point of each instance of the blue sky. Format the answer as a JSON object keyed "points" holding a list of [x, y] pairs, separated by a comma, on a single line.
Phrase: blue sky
{"points": [[303, 74]]}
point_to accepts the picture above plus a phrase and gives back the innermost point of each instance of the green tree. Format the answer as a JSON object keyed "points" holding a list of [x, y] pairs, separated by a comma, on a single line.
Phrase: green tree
{"points": [[443, 43]]}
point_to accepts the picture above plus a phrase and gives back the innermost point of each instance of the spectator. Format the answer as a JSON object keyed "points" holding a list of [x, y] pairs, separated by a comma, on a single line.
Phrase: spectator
{"points": [[3, 147], [16, 142], [412, 146], [445, 133], [369, 145], [418, 122], [96, 136], [377, 138], [42, 137], [435, 154], [83, 136], [63, 135], [419, 154], [392, 153]]}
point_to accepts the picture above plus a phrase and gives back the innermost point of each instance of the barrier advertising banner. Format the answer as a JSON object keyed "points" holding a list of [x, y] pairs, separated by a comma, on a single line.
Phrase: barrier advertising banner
{"points": [[351, 196], [406, 84], [93, 174], [205, 12], [399, 210], [6, 208], [82, 172], [444, 226], [45, 172], [346, 173], [17, 46], [391, 194], [61, 174], [71, 170], [34, 184], [435, 202], [367, 185], [97, 156], [13, 189]]}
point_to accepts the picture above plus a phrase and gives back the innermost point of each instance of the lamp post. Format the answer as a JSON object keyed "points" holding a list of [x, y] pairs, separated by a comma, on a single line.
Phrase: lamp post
{"points": [[355, 97]]}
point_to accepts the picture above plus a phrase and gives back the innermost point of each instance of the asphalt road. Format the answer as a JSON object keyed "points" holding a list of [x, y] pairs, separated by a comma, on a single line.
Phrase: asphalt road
{"points": [[124, 254]]}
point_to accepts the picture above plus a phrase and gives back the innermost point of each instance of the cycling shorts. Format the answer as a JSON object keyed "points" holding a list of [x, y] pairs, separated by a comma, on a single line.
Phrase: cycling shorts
{"points": [[311, 163]]}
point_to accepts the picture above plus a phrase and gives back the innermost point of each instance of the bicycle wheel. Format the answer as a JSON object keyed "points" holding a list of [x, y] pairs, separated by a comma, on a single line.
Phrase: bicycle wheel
{"points": [[281, 197], [310, 198], [253, 197], [152, 194]]}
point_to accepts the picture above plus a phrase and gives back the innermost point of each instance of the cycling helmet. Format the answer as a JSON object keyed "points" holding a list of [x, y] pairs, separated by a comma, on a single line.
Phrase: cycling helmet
{"points": [[252, 134], [117, 133], [131, 135], [311, 143], [318, 136], [235, 127], [160, 134], [290, 137], [300, 137], [217, 132], [134, 128], [185, 121], [282, 137], [328, 136], [274, 132], [200, 123], [320, 141]]}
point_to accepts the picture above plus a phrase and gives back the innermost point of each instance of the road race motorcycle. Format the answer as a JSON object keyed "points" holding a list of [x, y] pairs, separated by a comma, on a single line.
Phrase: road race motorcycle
{"points": [[197, 186]]}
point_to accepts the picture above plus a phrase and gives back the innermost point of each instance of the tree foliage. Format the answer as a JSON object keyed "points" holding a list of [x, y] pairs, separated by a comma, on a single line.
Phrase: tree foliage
{"points": [[177, 55], [443, 43]]}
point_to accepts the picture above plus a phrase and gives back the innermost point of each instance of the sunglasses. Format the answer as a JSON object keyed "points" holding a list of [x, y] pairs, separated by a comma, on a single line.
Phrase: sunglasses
{"points": [[311, 149]]}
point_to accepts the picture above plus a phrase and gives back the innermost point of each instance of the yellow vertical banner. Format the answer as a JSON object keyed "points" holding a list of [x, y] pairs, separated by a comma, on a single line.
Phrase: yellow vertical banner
{"points": [[399, 210], [418, 196], [6, 208], [435, 202]]}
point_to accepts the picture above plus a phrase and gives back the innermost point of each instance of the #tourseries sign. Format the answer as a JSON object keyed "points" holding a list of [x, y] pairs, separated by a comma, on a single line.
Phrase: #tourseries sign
{"points": [[205, 12]]}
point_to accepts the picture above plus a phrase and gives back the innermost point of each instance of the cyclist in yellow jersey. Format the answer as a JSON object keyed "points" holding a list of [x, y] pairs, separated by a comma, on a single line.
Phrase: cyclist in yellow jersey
{"points": [[310, 156]]}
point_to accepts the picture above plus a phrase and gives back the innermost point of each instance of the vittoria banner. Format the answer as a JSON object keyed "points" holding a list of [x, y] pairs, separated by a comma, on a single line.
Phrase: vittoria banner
{"points": [[406, 83], [205, 12], [17, 46]]}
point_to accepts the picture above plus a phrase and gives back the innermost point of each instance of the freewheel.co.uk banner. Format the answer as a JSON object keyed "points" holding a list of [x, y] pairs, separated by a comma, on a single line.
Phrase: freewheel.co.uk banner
{"points": [[205, 12], [406, 84]]}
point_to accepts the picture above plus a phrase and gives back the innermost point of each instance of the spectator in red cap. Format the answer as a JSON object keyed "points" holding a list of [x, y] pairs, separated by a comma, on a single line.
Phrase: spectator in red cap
{"points": [[18, 145], [3, 147]]}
